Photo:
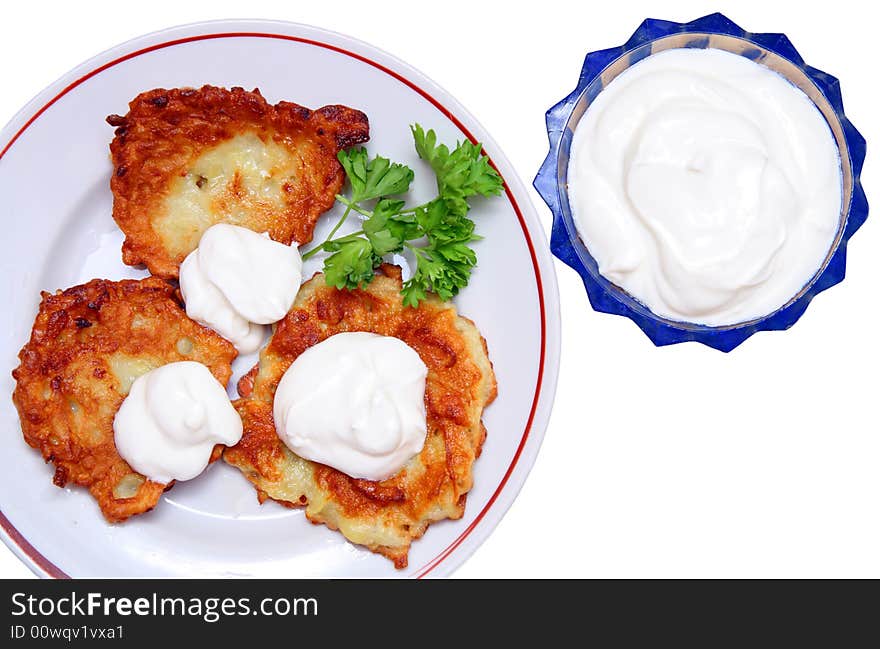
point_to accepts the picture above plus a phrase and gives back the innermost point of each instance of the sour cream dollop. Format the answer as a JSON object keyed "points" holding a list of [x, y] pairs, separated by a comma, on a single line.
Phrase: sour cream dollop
{"points": [[238, 280], [356, 402], [171, 419], [705, 185]]}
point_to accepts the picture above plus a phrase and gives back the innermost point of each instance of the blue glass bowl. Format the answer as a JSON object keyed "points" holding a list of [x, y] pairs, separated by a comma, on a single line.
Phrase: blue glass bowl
{"points": [[715, 31]]}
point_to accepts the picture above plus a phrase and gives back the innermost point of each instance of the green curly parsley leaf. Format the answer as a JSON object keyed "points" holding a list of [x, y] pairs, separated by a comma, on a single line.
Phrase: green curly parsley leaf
{"points": [[443, 269], [351, 263], [461, 173], [374, 178], [382, 231]]}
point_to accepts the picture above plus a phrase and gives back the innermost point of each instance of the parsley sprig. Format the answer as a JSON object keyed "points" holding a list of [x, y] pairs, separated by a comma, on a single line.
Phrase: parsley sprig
{"points": [[438, 233]]}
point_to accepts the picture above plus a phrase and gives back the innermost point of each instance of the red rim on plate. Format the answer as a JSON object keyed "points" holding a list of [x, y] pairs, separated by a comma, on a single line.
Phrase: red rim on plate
{"points": [[50, 568]]}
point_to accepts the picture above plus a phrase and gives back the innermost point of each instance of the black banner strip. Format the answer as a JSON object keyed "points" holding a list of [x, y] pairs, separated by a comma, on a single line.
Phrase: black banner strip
{"points": [[159, 613]]}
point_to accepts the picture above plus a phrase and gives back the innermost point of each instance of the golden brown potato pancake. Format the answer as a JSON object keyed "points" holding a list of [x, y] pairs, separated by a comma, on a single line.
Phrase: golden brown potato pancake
{"points": [[383, 516], [88, 345], [185, 159]]}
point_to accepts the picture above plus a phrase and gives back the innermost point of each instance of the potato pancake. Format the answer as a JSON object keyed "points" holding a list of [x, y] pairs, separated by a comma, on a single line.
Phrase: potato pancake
{"points": [[185, 159], [88, 345], [383, 516]]}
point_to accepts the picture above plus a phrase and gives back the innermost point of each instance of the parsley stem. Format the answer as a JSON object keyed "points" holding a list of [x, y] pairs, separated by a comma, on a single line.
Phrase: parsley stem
{"points": [[338, 225], [363, 212], [416, 208], [351, 205], [314, 250], [318, 248], [417, 250]]}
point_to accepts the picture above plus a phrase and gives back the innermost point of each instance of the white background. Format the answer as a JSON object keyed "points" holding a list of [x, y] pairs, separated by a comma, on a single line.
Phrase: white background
{"points": [[674, 462]]}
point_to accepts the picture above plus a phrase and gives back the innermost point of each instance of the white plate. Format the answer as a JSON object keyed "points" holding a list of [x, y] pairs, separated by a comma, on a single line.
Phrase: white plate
{"points": [[54, 180]]}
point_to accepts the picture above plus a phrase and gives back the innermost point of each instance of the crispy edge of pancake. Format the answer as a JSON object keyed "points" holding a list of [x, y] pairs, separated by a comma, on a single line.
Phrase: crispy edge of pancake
{"points": [[166, 130], [67, 393], [383, 516]]}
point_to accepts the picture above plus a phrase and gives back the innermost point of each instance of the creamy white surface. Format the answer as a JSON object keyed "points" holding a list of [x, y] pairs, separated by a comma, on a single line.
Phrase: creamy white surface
{"points": [[238, 280], [705, 185], [171, 419], [356, 402]]}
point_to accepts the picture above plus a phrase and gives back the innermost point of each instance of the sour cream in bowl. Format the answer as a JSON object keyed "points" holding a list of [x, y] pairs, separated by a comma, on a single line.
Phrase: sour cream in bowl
{"points": [[704, 181], [705, 185]]}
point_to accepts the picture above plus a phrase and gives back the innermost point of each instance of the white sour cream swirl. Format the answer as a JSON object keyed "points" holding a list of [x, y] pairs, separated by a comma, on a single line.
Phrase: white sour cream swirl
{"points": [[238, 280], [171, 419], [356, 402], [705, 185]]}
